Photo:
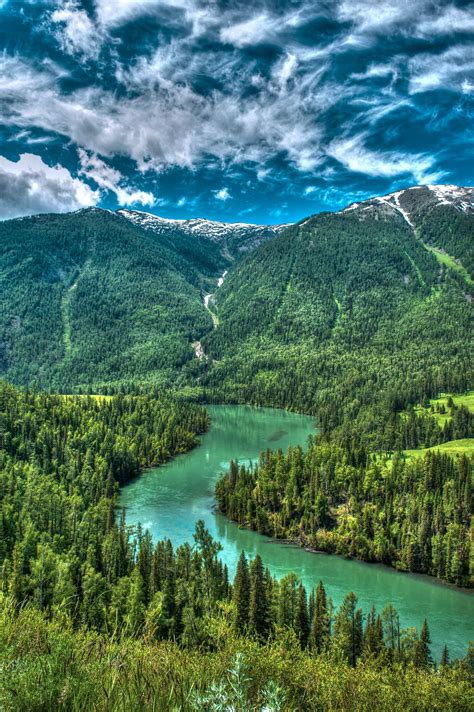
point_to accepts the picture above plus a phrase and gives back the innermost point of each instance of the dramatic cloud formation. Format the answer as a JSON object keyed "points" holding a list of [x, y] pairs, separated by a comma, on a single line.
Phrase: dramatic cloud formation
{"points": [[292, 107], [29, 186]]}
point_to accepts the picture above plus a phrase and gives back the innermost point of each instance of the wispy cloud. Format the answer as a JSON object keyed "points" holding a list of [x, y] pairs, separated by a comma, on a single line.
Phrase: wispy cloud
{"points": [[76, 31], [452, 70], [354, 155], [108, 178]]}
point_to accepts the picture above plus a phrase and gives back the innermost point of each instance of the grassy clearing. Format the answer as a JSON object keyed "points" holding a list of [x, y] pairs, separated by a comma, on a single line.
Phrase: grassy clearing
{"points": [[453, 447], [450, 262], [416, 269], [466, 400], [99, 398]]}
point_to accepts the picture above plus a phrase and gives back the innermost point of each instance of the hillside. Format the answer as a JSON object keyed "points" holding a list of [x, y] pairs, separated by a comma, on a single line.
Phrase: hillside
{"points": [[368, 306], [90, 298]]}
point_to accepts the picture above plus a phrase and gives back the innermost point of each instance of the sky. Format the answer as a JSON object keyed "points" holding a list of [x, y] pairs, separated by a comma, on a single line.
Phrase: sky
{"points": [[262, 112]]}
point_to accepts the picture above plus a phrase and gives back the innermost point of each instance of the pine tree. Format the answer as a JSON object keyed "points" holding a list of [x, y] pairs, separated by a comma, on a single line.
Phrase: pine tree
{"points": [[320, 626], [373, 635], [422, 654], [241, 594], [391, 630], [348, 629], [445, 657], [259, 608], [301, 623], [136, 604]]}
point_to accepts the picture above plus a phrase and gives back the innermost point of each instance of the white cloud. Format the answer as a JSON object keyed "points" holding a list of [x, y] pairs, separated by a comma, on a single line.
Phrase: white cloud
{"points": [[169, 124], [420, 18], [30, 186], [263, 27], [108, 178], [467, 87], [285, 69], [375, 71], [450, 19], [449, 70], [309, 189], [368, 20], [222, 194], [112, 13], [258, 29], [356, 157], [75, 31]]}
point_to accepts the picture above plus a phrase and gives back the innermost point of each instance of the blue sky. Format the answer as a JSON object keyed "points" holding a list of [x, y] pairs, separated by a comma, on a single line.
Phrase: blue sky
{"points": [[259, 112]]}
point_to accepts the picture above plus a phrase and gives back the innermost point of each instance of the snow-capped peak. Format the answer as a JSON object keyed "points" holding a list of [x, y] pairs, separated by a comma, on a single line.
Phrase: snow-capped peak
{"points": [[407, 202], [199, 227]]}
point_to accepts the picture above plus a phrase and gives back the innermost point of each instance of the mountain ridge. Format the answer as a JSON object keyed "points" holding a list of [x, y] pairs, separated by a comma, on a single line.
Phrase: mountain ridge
{"points": [[93, 300]]}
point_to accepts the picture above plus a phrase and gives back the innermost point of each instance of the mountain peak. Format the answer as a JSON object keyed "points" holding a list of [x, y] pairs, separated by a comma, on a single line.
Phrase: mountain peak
{"points": [[200, 227], [409, 201]]}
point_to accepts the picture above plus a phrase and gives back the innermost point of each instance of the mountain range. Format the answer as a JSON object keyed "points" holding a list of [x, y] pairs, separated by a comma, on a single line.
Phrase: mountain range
{"points": [[308, 313]]}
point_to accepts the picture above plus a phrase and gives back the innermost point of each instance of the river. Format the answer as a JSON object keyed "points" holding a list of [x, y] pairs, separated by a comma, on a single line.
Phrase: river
{"points": [[169, 500]]}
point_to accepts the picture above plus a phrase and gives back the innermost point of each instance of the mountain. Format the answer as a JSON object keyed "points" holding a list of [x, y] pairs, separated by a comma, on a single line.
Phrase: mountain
{"points": [[410, 202], [94, 297], [371, 304], [90, 298], [322, 316], [429, 210], [220, 242]]}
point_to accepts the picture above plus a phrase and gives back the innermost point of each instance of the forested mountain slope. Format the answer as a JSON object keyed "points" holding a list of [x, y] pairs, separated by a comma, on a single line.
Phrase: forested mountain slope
{"points": [[342, 311], [367, 307], [89, 298], [93, 298]]}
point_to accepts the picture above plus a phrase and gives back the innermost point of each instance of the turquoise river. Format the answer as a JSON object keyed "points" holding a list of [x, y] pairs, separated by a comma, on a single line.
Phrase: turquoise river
{"points": [[168, 501]]}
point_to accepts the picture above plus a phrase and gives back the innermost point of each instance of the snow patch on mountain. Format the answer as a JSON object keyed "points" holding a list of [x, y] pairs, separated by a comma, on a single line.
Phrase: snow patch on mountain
{"points": [[405, 201], [200, 227]]}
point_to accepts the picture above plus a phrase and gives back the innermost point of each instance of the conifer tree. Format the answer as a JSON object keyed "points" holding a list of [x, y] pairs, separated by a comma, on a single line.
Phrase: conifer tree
{"points": [[348, 629], [445, 657], [320, 626], [301, 624], [373, 635], [422, 654], [241, 594], [259, 605], [136, 604]]}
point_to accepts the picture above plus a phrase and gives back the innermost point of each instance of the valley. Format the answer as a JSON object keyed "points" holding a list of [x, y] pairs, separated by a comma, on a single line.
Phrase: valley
{"points": [[167, 502], [334, 358], [236, 356]]}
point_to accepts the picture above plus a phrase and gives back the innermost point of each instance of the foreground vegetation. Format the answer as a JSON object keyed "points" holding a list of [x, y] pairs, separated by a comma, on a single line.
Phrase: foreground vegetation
{"points": [[46, 665]]}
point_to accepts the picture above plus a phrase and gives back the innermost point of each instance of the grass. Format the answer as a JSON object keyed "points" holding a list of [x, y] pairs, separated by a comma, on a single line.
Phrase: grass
{"points": [[48, 666], [466, 400], [99, 398], [453, 447], [450, 262], [416, 269]]}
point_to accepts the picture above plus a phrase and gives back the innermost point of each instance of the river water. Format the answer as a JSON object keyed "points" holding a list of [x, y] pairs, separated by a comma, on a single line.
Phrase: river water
{"points": [[168, 501]]}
